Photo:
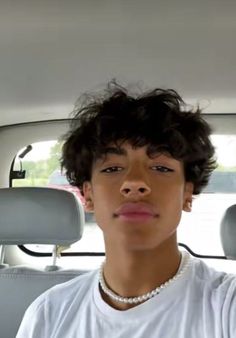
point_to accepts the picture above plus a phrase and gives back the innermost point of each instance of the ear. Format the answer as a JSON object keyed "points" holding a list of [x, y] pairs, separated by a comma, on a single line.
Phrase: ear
{"points": [[188, 196], [88, 196]]}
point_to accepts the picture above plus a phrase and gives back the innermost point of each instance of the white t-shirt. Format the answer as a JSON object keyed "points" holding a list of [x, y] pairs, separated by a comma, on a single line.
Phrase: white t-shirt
{"points": [[199, 304]]}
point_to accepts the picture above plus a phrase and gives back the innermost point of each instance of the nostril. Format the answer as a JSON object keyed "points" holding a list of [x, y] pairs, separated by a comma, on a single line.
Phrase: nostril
{"points": [[135, 188], [127, 191], [142, 190]]}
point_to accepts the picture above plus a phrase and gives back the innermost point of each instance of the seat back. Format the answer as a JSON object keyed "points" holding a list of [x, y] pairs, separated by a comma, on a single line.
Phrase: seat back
{"points": [[228, 232], [28, 216]]}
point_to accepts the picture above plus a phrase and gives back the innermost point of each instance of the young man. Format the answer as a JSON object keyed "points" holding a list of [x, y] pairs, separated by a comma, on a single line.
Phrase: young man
{"points": [[138, 161]]}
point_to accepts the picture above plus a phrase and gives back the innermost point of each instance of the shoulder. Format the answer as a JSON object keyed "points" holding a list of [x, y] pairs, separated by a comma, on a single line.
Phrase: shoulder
{"points": [[52, 305], [216, 292], [212, 278], [217, 287], [64, 291], [67, 290]]}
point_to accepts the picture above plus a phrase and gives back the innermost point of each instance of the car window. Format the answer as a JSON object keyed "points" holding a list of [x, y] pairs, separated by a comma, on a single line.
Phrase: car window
{"points": [[197, 229]]}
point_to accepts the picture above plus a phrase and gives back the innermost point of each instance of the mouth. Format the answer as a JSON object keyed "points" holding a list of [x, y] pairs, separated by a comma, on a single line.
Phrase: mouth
{"points": [[135, 212]]}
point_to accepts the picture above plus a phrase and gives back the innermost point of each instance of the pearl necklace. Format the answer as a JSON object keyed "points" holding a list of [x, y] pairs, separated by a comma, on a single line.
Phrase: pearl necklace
{"points": [[148, 295]]}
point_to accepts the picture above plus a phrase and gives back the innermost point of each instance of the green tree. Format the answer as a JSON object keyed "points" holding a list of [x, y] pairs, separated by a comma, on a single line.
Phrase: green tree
{"points": [[53, 161]]}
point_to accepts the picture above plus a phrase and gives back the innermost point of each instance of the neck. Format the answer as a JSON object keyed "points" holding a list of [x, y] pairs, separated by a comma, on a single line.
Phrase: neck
{"points": [[132, 274]]}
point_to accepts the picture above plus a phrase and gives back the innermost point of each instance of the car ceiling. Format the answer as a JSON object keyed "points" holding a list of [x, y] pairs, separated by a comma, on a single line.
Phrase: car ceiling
{"points": [[53, 51]]}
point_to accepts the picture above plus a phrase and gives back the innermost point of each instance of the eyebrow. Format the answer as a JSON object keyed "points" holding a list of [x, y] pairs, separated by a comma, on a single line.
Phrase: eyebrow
{"points": [[114, 151], [151, 153], [121, 151]]}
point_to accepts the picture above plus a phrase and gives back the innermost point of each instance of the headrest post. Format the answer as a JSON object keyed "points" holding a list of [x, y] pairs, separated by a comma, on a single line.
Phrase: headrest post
{"points": [[2, 253], [54, 255]]}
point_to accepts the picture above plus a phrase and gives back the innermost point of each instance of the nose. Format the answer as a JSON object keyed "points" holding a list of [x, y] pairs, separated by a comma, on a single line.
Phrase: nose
{"points": [[135, 188]]}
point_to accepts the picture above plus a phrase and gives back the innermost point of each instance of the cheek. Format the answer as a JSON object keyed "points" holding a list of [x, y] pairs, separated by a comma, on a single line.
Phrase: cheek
{"points": [[102, 206], [171, 214], [171, 200]]}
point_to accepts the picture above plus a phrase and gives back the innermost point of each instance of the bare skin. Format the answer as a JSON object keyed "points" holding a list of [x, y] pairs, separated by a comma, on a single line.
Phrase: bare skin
{"points": [[138, 202]]}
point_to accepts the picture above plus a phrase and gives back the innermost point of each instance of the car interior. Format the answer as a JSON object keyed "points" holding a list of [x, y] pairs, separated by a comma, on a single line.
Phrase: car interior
{"points": [[52, 52]]}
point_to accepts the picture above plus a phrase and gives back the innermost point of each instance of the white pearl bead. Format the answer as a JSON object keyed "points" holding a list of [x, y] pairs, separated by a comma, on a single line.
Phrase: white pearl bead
{"points": [[139, 299]]}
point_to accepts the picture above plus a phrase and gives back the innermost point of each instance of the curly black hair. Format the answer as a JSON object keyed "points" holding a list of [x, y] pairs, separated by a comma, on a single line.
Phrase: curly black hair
{"points": [[158, 119]]}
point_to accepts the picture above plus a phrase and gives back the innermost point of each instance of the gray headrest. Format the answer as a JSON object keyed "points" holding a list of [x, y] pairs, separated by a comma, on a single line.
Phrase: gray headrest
{"points": [[40, 216], [228, 232]]}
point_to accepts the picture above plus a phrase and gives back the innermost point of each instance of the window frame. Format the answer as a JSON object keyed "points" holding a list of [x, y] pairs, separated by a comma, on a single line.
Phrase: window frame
{"points": [[214, 119]]}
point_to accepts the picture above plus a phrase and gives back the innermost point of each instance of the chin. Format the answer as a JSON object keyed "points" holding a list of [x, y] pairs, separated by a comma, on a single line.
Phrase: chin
{"points": [[140, 244]]}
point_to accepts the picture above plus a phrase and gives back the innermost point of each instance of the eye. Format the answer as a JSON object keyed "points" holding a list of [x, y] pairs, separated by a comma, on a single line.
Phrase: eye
{"points": [[162, 169], [112, 169]]}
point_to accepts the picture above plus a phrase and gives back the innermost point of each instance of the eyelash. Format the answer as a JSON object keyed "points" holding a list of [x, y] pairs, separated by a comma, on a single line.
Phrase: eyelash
{"points": [[162, 169], [112, 169], [159, 168]]}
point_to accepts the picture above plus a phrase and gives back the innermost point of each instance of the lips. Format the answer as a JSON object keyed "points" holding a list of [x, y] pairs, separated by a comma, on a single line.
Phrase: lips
{"points": [[136, 211]]}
